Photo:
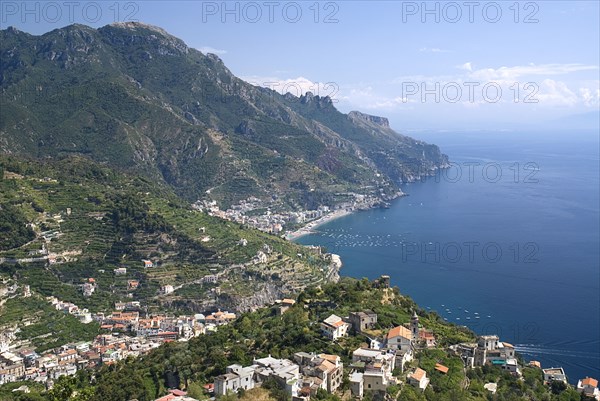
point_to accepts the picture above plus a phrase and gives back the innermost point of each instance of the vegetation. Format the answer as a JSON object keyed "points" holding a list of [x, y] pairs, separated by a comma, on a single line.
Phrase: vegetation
{"points": [[94, 219], [13, 228], [190, 365], [168, 112]]}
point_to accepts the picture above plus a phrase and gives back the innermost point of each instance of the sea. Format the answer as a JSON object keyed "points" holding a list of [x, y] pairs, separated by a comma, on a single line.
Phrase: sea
{"points": [[506, 241]]}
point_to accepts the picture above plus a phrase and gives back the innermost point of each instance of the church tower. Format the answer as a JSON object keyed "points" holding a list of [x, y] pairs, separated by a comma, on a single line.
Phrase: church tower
{"points": [[414, 326]]}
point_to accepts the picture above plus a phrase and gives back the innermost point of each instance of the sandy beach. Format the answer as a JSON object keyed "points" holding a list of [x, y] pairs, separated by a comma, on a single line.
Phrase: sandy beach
{"points": [[310, 227]]}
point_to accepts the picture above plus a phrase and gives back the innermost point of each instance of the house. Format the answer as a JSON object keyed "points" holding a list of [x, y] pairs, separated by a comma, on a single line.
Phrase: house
{"points": [[418, 379], [120, 271], [489, 343], [376, 378], [334, 327], [211, 278], [132, 284], [589, 388], [356, 384], [511, 365], [88, 289], [427, 339], [376, 366], [488, 350], [399, 338], [67, 357], [535, 364], [218, 318], [330, 369], [284, 305], [441, 368], [167, 289], [148, 263], [235, 378], [176, 395], [403, 357], [554, 374], [361, 321], [366, 356]]}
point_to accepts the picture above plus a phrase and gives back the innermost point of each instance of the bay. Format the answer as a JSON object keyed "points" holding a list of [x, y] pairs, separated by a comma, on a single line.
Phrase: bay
{"points": [[505, 242]]}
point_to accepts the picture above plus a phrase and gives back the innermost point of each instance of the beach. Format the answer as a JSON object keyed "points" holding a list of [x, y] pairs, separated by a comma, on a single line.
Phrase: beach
{"points": [[311, 226]]}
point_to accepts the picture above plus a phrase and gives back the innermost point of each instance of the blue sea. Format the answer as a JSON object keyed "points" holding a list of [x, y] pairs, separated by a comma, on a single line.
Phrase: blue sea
{"points": [[504, 242]]}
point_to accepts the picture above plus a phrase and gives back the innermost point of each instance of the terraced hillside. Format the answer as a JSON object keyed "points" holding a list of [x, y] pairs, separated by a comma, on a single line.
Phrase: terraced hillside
{"points": [[83, 221]]}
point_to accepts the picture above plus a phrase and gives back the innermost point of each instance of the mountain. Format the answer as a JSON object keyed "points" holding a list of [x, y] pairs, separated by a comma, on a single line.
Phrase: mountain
{"points": [[134, 97]]}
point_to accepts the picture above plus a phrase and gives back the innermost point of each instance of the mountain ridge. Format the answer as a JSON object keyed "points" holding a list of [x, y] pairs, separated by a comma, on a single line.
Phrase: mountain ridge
{"points": [[135, 97]]}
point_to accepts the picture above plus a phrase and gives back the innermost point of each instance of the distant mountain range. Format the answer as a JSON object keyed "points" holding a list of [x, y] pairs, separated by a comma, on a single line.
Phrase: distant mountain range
{"points": [[136, 98]]}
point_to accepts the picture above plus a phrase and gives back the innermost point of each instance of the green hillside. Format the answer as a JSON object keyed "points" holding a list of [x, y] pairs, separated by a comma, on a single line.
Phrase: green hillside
{"points": [[63, 222], [141, 100]]}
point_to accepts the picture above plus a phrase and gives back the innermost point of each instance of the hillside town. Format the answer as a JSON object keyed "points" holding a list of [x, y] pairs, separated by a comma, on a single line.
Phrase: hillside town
{"points": [[127, 332], [384, 363]]}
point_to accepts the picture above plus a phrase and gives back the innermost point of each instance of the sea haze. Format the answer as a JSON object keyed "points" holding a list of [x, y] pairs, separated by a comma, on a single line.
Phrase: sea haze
{"points": [[441, 244]]}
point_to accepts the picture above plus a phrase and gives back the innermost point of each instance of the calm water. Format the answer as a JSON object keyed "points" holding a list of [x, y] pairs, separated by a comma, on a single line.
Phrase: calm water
{"points": [[516, 255]]}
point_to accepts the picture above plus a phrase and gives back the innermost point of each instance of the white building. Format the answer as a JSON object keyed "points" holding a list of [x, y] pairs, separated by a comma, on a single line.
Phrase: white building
{"points": [[418, 379], [334, 327], [399, 338], [356, 384], [237, 377], [554, 374], [167, 289]]}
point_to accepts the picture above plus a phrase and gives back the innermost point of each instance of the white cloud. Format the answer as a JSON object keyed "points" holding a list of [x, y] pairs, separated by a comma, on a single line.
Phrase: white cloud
{"points": [[590, 97], [556, 93], [433, 50], [208, 49], [296, 86], [466, 66], [533, 84], [512, 73]]}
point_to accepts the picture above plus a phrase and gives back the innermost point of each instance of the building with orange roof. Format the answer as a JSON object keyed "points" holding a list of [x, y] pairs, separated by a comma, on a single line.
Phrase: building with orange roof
{"points": [[441, 368], [427, 338], [418, 379], [399, 338], [589, 388]]}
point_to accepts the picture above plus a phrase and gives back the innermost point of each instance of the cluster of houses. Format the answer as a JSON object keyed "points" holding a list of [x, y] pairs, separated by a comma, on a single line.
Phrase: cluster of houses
{"points": [[82, 314], [488, 350], [26, 364], [275, 222], [270, 222], [301, 378], [372, 368], [147, 333], [384, 362], [162, 327]]}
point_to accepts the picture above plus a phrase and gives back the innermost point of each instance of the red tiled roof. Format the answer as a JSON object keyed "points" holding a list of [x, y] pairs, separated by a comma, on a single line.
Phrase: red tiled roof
{"points": [[441, 368], [588, 381], [399, 331], [418, 374]]}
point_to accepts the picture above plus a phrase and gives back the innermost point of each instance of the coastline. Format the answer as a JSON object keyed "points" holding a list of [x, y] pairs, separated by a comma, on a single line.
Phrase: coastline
{"points": [[309, 228], [336, 214]]}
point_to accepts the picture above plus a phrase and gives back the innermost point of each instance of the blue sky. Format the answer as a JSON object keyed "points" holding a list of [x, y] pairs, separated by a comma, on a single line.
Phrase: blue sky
{"points": [[433, 65]]}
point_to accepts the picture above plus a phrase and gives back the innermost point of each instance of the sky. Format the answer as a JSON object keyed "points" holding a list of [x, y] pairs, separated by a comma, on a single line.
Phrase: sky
{"points": [[447, 65]]}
